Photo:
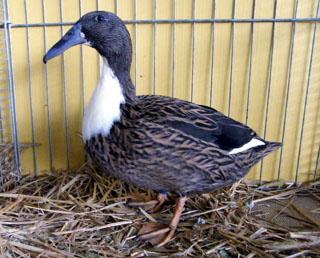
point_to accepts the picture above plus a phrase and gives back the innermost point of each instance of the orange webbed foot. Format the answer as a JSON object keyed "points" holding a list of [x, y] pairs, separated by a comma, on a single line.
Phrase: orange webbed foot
{"points": [[159, 234], [152, 205]]}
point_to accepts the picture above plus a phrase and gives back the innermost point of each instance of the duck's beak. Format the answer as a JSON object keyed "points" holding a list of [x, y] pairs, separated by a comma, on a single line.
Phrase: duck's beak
{"points": [[73, 37]]}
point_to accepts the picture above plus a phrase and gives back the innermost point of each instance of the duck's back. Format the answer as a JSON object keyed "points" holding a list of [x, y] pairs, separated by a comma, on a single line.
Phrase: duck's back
{"points": [[198, 121], [171, 145]]}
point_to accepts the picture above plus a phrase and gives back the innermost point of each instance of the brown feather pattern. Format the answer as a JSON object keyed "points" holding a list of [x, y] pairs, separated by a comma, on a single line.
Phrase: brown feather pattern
{"points": [[145, 150]]}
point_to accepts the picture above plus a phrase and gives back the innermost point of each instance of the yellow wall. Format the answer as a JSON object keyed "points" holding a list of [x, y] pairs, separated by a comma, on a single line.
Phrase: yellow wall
{"points": [[195, 76]]}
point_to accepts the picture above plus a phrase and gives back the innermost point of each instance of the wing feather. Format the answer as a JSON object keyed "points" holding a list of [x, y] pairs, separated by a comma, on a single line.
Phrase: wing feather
{"points": [[199, 121]]}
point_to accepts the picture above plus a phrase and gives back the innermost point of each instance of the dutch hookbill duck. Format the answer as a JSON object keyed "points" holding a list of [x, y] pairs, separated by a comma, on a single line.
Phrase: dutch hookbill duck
{"points": [[155, 142]]}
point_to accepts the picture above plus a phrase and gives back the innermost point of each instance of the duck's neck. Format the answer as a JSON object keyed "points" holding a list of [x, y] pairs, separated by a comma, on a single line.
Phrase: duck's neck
{"points": [[113, 89], [120, 65], [127, 87]]}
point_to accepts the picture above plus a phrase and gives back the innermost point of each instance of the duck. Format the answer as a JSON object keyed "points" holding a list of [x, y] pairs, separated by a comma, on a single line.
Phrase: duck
{"points": [[154, 142]]}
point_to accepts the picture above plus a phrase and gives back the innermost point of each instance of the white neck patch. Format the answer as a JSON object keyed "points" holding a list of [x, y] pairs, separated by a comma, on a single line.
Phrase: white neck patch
{"points": [[104, 107]]}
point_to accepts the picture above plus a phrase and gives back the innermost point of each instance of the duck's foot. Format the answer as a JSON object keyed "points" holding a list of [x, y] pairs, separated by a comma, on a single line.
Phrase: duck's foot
{"points": [[153, 205], [153, 232], [159, 234]]}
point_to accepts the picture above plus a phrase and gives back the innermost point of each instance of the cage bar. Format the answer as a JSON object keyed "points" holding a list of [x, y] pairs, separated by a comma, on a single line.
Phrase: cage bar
{"points": [[34, 150], [154, 46], [250, 60], [269, 84], [173, 49], [231, 56], [14, 123], [316, 165], [292, 41], [83, 92], [192, 49], [307, 92], [99, 59], [1, 126], [212, 55], [47, 92], [164, 21], [115, 6], [135, 43], [65, 104]]}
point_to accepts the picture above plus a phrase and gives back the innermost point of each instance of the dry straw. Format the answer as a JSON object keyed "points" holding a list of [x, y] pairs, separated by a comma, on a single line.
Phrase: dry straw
{"points": [[84, 214]]}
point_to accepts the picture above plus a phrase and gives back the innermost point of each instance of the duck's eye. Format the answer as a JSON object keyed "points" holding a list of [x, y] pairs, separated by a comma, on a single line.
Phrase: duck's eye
{"points": [[99, 18]]}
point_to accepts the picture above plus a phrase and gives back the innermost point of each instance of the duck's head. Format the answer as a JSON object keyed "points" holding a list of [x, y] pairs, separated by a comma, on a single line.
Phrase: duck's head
{"points": [[103, 31]]}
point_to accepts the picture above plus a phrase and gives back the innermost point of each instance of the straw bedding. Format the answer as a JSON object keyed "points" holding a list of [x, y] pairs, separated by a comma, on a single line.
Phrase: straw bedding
{"points": [[84, 214]]}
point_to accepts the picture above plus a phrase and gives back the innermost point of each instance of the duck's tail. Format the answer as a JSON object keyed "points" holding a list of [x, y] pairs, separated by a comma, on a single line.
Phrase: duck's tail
{"points": [[271, 146], [260, 152]]}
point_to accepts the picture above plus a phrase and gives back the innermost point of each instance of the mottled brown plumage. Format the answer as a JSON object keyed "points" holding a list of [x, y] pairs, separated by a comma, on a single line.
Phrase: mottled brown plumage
{"points": [[144, 150], [156, 142]]}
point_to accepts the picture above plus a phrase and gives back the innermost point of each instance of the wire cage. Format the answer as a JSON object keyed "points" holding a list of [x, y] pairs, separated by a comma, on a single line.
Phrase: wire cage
{"points": [[255, 61], [9, 147]]}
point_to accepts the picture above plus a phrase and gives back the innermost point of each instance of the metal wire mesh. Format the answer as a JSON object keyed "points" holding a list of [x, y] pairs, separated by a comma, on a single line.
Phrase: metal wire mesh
{"points": [[8, 121], [9, 128]]}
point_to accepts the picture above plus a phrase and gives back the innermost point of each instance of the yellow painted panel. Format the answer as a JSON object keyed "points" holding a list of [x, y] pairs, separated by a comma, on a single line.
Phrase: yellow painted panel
{"points": [[278, 84], [298, 84], [183, 48], [260, 67], [296, 93], [106, 5], [222, 58], [145, 80], [38, 103], [22, 93], [90, 58], [32, 5], [126, 12], [164, 50], [17, 11], [55, 89], [73, 88], [202, 61], [241, 62], [311, 134], [20, 57], [5, 126], [214, 57]]}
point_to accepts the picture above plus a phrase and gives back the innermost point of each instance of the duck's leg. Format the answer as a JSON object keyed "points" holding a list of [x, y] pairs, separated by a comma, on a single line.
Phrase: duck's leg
{"points": [[155, 204], [160, 237]]}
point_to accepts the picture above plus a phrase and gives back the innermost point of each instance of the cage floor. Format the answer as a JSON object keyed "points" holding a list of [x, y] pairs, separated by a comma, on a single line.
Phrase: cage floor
{"points": [[83, 214], [294, 213]]}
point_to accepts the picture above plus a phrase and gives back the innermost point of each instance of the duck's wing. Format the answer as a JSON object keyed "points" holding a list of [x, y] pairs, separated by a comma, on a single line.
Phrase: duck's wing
{"points": [[198, 121]]}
